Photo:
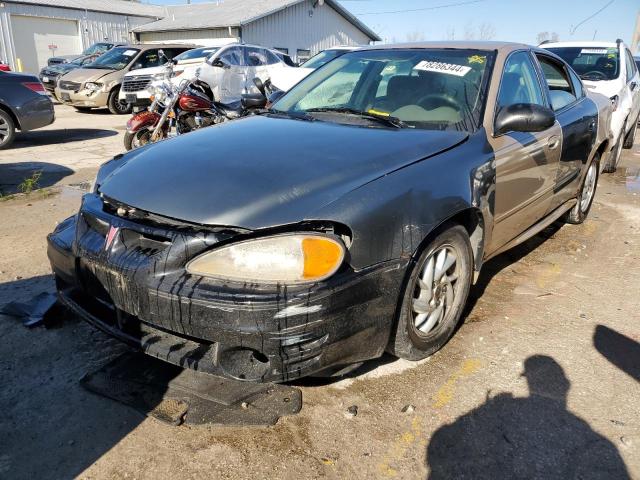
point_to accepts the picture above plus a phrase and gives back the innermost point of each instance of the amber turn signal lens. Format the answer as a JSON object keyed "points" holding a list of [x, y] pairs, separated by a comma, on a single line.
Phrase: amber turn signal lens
{"points": [[322, 257]]}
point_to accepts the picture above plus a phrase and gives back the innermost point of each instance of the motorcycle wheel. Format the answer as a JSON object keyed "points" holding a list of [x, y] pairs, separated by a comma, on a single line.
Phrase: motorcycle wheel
{"points": [[137, 139]]}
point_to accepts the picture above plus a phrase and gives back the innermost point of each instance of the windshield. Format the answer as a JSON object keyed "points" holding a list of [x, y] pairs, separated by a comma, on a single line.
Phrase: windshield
{"points": [[591, 63], [115, 59], [321, 58], [436, 89], [98, 48], [197, 53]]}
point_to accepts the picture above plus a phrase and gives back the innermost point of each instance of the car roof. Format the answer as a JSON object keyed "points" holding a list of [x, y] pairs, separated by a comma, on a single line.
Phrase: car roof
{"points": [[462, 45], [147, 46], [586, 43]]}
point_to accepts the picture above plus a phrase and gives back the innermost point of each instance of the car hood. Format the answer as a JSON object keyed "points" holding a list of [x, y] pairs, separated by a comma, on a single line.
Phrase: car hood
{"points": [[262, 171], [87, 74], [65, 58]]}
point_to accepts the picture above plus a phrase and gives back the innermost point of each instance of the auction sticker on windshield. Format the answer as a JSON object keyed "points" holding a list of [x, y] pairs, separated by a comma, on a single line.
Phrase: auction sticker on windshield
{"points": [[593, 51], [441, 67], [128, 53]]}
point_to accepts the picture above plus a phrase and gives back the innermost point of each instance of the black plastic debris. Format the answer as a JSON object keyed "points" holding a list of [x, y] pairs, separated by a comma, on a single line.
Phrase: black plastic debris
{"points": [[34, 312], [175, 395]]}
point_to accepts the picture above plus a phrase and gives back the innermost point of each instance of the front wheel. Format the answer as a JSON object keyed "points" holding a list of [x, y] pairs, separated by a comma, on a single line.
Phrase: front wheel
{"points": [[116, 106], [7, 130], [578, 214], [614, 157], [137, 139], [631, 136], [435, 296]]}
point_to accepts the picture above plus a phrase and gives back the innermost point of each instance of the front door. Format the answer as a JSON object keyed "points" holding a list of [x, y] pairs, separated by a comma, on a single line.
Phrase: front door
{"points": [[526, 163]]}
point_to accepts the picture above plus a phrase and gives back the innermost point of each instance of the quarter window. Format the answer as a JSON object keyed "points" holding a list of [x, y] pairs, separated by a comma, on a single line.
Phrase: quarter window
{"points": [[560, 88], [519, 82], [577, 84]]}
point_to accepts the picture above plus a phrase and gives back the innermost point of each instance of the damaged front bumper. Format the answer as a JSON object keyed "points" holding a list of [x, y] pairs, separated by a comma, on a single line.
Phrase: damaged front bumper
{"points": [[132, 284]]}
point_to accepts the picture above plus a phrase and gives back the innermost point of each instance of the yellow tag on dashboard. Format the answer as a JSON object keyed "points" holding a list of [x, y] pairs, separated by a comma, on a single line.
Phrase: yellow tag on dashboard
{"points": [[378, 112], [476, 59]]}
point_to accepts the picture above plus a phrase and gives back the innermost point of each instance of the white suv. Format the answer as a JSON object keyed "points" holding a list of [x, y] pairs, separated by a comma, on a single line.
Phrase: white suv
{"points": [[134, 84], [608, 68]]}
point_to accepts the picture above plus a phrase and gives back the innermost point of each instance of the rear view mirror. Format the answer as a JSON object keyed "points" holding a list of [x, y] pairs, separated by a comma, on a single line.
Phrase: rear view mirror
{"points": [[254, 100], [524, 117], [259, 85]]}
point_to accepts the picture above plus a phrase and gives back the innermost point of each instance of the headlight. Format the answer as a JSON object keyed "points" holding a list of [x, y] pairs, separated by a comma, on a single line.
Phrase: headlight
{"points": [[286, 259], [92, 86], [158, 76]]}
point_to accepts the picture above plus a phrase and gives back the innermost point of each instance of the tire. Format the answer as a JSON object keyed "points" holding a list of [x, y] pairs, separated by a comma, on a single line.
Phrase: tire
{"points": [[7, 130], [447, 300], [115, 106], [631, 136], [83, 109], [587, 193], [614, 157], [137, 139]]}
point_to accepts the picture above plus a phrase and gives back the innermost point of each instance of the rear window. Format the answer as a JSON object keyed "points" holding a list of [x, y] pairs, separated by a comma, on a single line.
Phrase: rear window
{"points": [[591, 63]]}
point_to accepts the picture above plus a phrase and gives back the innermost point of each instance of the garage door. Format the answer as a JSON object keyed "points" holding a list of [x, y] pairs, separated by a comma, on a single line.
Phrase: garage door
{"points": [[33, 36]]}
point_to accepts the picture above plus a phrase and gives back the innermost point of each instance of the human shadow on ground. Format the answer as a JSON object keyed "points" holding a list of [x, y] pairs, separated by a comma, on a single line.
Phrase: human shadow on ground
{"points": [[525, 437], [619, 349]]}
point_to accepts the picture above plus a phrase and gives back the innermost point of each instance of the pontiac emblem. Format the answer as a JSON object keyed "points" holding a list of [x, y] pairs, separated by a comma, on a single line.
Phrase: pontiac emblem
{"points": [[111, 236]]}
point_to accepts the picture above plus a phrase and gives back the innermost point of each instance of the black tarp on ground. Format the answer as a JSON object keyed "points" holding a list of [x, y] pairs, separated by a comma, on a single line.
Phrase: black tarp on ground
{"points": [[175, 395]]}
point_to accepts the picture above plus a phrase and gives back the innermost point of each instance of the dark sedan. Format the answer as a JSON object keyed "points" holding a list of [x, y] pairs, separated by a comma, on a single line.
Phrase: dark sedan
{"points": [[350, 219], [24, 105]]}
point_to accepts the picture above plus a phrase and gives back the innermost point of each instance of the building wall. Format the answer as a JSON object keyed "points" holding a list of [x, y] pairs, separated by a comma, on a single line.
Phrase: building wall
{"points": [[207, 38], [93, 26], [294, 28]]}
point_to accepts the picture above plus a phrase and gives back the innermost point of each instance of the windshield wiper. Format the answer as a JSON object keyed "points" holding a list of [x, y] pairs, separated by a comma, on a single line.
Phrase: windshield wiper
{"points": [[284, 113], [389, 120]]}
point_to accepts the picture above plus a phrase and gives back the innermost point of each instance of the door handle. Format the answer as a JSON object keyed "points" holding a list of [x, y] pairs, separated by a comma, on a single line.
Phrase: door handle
{"points": [[633, 86], [553, 143], [592, 126]]}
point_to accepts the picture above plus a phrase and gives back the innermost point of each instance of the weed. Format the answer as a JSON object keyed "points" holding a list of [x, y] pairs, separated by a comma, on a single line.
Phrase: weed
{"points": [[31, 183]]}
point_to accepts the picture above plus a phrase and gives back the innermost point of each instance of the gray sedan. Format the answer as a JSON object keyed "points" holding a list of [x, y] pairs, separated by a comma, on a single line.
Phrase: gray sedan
{"points": [[24, 105]]}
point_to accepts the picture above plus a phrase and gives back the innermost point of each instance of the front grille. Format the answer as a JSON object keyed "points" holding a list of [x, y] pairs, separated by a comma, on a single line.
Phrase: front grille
{"points": [[67, 85], [136, 83]]}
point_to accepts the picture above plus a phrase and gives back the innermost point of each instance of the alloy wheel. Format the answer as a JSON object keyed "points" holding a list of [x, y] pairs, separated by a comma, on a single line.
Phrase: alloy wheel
{"points": [[589, 187], [435, 290], [5, 130]]}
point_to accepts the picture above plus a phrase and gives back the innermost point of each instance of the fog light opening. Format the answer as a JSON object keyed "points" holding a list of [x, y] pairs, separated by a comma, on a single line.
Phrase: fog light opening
{"points": [[244, 363]]}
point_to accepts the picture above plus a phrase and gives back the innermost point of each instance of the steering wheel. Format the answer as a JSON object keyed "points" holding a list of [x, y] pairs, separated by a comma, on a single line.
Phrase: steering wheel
{"points": [[595, 73], [435, 100]]}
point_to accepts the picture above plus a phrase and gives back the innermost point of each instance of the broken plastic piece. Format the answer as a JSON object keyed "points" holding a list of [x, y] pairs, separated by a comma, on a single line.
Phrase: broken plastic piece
{"points": [[34, 311]]}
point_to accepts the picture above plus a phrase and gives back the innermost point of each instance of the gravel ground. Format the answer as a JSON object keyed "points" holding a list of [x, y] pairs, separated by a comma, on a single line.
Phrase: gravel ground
{"points": [[544, 375]]}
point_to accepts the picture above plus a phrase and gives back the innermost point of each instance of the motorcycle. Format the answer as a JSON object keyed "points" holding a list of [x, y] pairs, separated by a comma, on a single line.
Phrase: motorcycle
{"points": [[187, 107]]}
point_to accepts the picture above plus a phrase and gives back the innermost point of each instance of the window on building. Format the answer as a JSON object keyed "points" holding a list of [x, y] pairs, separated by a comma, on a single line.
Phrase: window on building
{"points": [[282, 50], [303, 55]]}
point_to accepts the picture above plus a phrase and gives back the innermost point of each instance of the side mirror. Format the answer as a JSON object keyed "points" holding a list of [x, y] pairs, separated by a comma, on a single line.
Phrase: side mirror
{"points": [[218, 62], [524, 117]]}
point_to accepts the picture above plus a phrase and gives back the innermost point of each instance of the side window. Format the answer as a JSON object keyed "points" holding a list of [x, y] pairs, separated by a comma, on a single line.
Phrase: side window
{"points": [[560, 87], [149, 58], [232, 56], [256, 57], [631, 66], [303, 55], [577, 84], [519, 82], [272, 58]]}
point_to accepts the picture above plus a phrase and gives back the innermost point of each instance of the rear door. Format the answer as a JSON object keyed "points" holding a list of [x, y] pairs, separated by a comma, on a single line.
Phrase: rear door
{"points": [[578, 119], [633, 84], [526, 163]]}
